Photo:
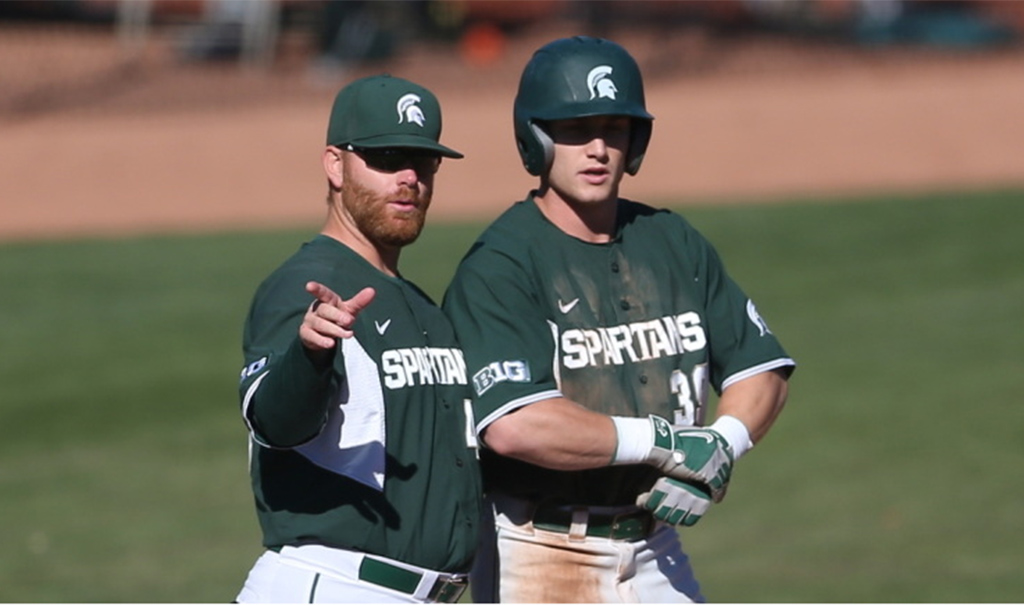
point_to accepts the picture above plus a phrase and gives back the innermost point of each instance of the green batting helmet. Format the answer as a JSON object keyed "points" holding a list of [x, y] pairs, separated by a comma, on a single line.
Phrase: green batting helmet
{"points": [[576, 78]]}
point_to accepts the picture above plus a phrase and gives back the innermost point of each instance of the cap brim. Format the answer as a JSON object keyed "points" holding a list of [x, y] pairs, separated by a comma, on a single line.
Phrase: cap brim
{"points": [[405, 141]]}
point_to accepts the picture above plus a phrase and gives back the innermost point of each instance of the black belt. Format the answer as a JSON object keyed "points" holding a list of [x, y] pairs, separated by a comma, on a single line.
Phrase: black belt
{"points": [[446, 589], [630, 526]]}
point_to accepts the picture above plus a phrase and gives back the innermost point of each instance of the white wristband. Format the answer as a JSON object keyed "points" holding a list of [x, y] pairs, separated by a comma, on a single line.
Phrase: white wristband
{"points": [[735, 434], [635, 438]]}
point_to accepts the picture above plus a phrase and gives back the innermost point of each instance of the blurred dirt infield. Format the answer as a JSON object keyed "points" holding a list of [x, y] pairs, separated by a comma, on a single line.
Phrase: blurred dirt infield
{"points": [[156, 146]]}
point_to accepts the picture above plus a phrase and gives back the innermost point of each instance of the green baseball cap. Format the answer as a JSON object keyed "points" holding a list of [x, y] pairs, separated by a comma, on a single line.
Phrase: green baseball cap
{"points": [[384, 111]]}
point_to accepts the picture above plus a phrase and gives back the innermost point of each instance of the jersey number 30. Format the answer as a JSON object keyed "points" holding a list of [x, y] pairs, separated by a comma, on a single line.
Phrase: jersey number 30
{"points": [[691, 393]]}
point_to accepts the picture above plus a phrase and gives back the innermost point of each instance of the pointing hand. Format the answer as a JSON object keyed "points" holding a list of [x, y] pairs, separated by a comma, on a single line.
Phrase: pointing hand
{"points": [[330, 317]]}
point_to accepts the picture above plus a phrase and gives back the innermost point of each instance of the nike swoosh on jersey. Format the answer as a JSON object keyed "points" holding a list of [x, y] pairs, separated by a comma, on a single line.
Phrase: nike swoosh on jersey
{"points": [[566, 307], [382, 327]]}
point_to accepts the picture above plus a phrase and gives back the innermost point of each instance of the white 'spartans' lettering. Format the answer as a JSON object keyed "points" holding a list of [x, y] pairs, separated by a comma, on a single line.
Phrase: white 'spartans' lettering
{"points": [[500, 371], [423, 365], [627, 343]]}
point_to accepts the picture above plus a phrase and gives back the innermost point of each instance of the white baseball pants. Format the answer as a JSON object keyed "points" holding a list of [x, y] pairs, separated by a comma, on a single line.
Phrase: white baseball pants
{"points": [[318, 574], [538, 566]]}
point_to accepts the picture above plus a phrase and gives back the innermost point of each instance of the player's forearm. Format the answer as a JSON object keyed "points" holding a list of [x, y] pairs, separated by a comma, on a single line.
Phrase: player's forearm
{"points": [[556, 433], [755, 401]]}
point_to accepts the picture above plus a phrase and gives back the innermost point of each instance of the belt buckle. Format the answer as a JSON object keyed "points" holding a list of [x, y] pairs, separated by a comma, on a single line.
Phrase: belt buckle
{"points": [[447, 590]]}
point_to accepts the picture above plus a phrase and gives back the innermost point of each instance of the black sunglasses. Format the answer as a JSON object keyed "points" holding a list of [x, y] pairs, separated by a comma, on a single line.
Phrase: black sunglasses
{"points": [[393, 159]]}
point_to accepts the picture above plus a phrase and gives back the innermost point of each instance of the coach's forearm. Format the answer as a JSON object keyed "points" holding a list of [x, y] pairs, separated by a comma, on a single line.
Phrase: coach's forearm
{"points": [[290, 406], [555, 433]]}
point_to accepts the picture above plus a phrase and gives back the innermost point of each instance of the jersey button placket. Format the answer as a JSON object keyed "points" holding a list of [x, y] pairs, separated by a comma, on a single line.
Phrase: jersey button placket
{"points": [[617, 285]]}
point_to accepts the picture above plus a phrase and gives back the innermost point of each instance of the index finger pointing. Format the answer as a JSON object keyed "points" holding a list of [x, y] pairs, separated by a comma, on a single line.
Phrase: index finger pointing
{"points": [[359, 302], [322, 293]]}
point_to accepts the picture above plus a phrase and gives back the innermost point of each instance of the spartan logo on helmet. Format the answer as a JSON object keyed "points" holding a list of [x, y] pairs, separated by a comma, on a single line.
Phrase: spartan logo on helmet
{"points": [[600, 83], [409, 110]]}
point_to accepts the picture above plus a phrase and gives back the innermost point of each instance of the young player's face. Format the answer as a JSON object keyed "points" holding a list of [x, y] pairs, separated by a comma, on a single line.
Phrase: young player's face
{"points": [[387, 193], [589, 158]]}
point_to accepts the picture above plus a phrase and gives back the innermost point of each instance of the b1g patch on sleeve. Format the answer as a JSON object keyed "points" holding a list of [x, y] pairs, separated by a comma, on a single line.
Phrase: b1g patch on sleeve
{"points": [[253, 368], [500, 371], [756, 318]]}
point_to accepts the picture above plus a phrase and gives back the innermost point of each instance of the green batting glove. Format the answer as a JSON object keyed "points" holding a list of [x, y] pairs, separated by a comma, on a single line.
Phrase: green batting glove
{"points": [[676, 502], [695, 454]]}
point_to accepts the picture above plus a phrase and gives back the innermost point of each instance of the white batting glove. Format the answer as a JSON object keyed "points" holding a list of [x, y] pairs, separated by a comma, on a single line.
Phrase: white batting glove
{"points": [[675, 502], [692, 454], [696, 454]]}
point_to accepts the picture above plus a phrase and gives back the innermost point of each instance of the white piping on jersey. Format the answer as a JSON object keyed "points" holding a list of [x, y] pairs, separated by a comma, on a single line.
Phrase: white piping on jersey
{"points": [[556, 368], [249, 394], [751, 371], [515, 404]]}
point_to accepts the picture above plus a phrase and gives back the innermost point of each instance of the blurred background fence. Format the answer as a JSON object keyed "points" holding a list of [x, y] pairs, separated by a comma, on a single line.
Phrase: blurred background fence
{"points": [[140, 55]]}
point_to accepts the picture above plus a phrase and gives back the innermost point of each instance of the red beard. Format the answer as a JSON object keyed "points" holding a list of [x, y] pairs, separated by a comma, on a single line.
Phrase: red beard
{"points": [[379, 221]]}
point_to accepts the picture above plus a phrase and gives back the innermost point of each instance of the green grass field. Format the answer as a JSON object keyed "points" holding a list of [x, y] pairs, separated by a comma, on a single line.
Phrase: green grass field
{"points": [[893, 475]]}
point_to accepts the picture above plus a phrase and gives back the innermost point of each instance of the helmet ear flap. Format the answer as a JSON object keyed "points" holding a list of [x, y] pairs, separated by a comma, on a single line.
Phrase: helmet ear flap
{"points": [[638, 141], [536, 148], [547, 147]]}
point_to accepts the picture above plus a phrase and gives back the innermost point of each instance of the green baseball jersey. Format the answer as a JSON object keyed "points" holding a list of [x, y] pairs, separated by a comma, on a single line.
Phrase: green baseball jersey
{"points": [[390, 467], [641, 325]]}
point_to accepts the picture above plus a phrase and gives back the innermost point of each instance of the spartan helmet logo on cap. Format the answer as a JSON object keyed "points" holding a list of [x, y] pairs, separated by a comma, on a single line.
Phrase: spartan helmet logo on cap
{"points": [[408, 110], [600, 83]]}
